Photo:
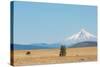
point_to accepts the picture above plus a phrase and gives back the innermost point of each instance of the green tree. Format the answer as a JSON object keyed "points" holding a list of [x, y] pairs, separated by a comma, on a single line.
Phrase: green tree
{"points": [[62, 50]]}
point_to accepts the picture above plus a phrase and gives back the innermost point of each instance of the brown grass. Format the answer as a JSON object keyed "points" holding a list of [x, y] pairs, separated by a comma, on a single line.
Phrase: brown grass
{"points": [[49, 56]]}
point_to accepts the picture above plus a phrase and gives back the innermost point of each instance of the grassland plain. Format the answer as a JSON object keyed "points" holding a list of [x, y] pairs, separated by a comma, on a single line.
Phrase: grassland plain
{"points": [[51, 56]]}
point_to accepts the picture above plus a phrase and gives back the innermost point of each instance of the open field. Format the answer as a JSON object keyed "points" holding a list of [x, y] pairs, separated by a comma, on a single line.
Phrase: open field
{"points": [[49, 56]]}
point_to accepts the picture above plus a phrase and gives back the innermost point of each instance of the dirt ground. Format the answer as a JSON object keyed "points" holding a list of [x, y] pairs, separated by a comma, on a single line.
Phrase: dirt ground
{"points": [[50, 56]]}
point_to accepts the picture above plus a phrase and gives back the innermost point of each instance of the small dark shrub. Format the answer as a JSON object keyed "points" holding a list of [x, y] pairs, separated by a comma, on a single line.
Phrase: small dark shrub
{"points": [[28, 53]]}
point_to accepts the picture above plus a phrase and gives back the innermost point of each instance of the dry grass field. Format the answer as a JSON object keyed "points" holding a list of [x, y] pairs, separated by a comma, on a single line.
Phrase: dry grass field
{"points": [[49, 56]]}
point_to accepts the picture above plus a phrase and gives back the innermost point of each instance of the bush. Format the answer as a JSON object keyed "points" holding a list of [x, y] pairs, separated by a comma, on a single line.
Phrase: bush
{"points": [[28, 53], [62, 50]]}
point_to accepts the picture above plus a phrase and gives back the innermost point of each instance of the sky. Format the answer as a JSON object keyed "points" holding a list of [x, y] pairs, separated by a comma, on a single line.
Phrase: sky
{"points": [[51, 23]]}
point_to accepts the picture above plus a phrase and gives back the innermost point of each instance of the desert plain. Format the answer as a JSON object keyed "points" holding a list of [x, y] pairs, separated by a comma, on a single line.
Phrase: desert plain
{"points": [[51, 56]]}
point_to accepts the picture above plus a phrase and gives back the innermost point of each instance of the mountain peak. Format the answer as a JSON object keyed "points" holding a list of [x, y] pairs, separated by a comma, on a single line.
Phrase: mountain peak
{"points": [[83, 30], [81, 35]]}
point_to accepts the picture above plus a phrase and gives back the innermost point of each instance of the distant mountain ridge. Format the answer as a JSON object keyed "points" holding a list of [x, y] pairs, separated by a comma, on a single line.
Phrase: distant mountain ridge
{"points": [[85, 44], [49, 46], [80, 39], [35, 46]]}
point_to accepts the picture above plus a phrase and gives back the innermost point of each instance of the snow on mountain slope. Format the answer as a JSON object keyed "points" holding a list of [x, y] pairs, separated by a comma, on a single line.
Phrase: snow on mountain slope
{"points": [[81, 36]]}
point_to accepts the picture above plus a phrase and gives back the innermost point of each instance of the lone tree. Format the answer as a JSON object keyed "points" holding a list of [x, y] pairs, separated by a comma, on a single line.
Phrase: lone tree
{"points": [[62, 50]]}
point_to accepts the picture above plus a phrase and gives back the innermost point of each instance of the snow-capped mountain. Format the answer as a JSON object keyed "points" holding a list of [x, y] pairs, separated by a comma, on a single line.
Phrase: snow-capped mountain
{"points": [[81, 36], [80, 39]]}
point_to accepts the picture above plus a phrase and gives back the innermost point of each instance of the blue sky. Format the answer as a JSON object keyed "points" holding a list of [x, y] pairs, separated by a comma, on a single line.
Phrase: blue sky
{"points": [[51, 23]]}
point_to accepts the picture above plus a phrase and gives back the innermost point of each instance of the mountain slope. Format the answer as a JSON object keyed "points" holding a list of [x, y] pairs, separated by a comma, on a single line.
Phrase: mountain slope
{"points": [[80, 39], [85, 44], [81, 36]]}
